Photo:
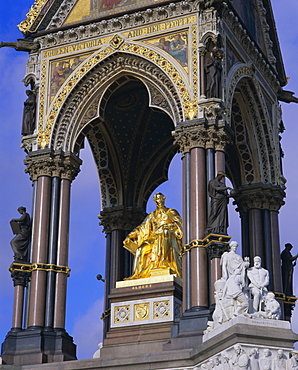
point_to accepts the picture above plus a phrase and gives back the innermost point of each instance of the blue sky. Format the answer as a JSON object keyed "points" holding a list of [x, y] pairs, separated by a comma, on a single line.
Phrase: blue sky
{"points": [[87, 242]]}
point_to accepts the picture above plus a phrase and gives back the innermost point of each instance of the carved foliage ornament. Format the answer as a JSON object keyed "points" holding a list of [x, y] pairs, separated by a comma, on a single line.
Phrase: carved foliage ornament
{"points": [[53, 164], [201, 135], [33, 13], [259, 196]]}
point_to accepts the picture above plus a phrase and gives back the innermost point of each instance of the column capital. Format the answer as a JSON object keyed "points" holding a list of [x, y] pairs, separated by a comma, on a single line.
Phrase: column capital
{"points": [[20, 277], [202, 133], [121, 218], [53, 164], [261, 196]]}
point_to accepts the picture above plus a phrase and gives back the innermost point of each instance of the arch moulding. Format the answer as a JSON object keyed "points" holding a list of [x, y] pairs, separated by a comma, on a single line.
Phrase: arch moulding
{"points": [[95, 76]]}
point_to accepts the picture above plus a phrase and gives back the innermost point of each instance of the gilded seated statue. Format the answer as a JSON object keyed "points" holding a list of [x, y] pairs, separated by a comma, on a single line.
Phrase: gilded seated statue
{"points": [[157, 241]]}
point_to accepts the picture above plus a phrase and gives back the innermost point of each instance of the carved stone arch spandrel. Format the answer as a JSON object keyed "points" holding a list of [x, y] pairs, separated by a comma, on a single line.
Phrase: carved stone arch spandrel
{"points": [[99, 78], [237, 72], [252, 126]]}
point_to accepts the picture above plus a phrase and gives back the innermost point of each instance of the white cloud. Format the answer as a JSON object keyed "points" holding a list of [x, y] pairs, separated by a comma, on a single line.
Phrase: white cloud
{"points": [[87, 331]]}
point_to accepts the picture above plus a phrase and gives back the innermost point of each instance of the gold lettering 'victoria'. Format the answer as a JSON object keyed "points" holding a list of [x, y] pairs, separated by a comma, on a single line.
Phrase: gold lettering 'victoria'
{"points": [[73, 48]]}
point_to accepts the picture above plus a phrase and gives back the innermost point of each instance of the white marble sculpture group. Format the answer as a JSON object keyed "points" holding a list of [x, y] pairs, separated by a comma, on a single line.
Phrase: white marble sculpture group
{"points": [[242, 290], [252, 359]]}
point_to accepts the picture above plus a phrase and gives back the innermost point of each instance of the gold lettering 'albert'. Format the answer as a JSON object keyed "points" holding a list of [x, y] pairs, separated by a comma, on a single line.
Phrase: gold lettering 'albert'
{"points": [[160, 27]]}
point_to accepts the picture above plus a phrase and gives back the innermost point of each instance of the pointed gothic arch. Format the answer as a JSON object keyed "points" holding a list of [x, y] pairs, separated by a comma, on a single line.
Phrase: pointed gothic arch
{"points": [[89, 90]]}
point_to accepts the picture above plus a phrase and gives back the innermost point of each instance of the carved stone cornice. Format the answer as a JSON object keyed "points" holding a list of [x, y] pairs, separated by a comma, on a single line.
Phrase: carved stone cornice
{"points": [[112, 23], [121, 218], [261, 196], [53, 164], [201, 134]]}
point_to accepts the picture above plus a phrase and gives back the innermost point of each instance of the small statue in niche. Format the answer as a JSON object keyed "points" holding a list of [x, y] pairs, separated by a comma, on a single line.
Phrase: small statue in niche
{"points": [[21, 227], [288, 262], [29, 112], [157, 242], [218, 215], [213, 71]]}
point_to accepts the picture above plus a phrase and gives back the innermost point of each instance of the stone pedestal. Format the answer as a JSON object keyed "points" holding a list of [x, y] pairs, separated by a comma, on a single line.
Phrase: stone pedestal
{"points": [[265, 336], [142, 313], [37, 346]]}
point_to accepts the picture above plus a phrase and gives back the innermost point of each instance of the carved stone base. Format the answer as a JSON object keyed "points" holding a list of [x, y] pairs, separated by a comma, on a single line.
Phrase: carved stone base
{"points": [[37, 346], [187, 331], [142, 315], [265, 336]]}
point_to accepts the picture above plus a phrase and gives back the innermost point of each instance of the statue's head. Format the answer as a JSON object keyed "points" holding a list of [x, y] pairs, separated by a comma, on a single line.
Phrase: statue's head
{"points": [[267, 352], [220, 175], [238, 349], [233, 245], [21, 209], [270, 296], [159, 199], [289, 246], [254, 352], [257, 262]]}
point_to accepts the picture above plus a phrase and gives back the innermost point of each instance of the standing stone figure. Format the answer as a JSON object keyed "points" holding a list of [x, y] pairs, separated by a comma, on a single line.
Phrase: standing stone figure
{"points": [[157, 242], [293, 361], [287, 268], [259, 280], [254, 359], [230, 261], [28, 124], [213, 70], [230, 300], [218, 215], [266, 361], [20, 227], [240, 360], [280, 361]]}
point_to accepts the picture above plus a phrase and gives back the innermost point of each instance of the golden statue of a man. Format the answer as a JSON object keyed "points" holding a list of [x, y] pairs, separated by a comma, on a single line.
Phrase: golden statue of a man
{"points": [[157, 241]]}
